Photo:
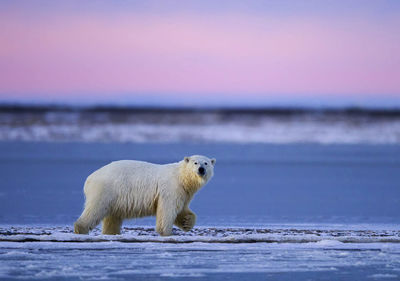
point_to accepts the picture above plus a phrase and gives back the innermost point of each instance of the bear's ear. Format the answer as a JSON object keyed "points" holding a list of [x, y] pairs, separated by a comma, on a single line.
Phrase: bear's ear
{"points": [[213, 161], [187, 159]]}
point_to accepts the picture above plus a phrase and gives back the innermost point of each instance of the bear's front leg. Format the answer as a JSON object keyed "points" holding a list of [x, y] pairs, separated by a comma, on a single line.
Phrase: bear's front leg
{"points": [[185, 220], [165, 217]]}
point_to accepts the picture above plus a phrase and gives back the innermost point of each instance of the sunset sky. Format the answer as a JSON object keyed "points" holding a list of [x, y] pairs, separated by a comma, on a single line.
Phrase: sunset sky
{"points": [[201, 52]]}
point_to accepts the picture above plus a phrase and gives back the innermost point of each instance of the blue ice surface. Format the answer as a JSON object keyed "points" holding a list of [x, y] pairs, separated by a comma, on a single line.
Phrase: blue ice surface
{"points": [[198, 261], [254, 184]]}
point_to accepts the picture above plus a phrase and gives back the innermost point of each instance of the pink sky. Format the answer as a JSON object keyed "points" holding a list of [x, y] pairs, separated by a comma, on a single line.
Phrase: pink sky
{"points": [[230, 55]]}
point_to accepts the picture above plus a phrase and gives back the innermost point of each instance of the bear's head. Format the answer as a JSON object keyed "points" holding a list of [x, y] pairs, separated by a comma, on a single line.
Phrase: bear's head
{"points": [[196, 171]]}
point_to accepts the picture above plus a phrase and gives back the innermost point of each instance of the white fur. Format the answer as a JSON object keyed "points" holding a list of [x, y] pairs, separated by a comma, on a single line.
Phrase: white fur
{"points": [[133, 189]]}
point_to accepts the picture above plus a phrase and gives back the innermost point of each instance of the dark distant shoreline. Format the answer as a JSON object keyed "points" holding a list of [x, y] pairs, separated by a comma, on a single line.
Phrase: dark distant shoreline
{"points": [[267, 111], [142, 124]]}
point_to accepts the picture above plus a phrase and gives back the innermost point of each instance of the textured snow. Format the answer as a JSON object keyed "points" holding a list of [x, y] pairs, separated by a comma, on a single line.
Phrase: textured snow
{"points": [[324, 237], [39, 252]]}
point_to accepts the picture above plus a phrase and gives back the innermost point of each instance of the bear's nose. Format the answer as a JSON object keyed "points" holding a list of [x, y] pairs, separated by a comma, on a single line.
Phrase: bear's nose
{"points": [[202, 171]]}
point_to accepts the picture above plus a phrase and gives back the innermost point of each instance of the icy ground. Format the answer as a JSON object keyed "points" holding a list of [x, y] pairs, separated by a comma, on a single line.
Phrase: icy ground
{"points": [[32, 252], [203, 234]]}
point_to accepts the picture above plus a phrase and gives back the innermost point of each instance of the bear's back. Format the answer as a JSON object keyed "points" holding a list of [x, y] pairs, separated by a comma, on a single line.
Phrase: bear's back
{"points": [[125, 170], [130, 174]]}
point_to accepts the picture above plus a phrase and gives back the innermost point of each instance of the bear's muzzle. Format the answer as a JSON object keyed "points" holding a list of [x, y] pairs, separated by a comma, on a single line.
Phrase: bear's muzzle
{"points": [[202, 171]]}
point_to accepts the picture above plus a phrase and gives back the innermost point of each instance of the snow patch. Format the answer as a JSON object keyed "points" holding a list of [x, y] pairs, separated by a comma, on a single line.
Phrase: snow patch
{"points": [[383, 275]]}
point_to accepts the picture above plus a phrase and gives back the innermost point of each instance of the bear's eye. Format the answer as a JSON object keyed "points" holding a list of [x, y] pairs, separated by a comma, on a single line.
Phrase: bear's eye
{"points": [[195, 163], [205, 163]]}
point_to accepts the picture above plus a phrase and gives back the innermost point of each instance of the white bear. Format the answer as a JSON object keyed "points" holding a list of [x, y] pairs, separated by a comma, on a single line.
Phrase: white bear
{"points": [[133, 189]]}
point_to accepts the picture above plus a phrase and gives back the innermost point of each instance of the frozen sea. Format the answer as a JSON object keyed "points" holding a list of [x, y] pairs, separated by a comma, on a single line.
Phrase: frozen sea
{"points": [[307, 211]]}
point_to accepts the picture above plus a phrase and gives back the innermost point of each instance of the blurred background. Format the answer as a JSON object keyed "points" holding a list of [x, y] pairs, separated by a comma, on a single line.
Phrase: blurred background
{"points": [[299, 101]]}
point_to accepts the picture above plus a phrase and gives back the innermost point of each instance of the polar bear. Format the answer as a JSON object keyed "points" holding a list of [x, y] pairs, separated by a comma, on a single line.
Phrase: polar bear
{"points": [[132, 189]]}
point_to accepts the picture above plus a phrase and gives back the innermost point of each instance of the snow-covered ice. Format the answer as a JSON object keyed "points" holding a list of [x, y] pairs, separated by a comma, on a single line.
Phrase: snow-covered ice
{"points": [[202, 234], [34, 252]]}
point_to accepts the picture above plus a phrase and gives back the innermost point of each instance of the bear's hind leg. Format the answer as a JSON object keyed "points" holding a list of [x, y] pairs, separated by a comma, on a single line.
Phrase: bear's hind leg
{"points": [[90, 218], [80, 228], [112, 225]]}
